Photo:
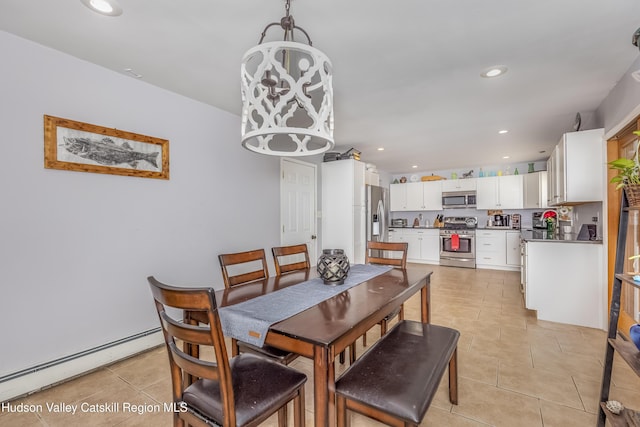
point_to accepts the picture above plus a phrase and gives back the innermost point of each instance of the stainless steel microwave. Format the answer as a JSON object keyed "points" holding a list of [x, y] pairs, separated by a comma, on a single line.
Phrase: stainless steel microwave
{"points": [[459, 199]]}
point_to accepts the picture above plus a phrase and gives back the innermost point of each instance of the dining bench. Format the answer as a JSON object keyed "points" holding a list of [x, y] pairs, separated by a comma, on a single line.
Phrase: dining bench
{"points": [[395, 381]]}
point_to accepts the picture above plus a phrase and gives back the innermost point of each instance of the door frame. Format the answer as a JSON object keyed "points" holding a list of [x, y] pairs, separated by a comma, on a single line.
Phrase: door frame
{"points": [[611, 208], [313, 250]]}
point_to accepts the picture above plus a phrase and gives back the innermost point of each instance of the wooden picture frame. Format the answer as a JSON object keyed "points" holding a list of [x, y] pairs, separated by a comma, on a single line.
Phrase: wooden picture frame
{"points": [[83, 147]]}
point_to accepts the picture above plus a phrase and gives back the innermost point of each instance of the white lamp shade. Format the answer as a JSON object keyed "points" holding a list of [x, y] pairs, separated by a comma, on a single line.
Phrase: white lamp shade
{"points": [[287, 100]]}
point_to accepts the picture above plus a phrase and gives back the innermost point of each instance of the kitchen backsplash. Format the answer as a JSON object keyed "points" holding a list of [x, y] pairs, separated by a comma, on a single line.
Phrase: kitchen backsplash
{"points": [[482, 215], [580, 214]]}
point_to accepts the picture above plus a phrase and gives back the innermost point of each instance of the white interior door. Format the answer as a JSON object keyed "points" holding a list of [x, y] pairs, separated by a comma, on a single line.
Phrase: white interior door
{"points": [[298, 205]]}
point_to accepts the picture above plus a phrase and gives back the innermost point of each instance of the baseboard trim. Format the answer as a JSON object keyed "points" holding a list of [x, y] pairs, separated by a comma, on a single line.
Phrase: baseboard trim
{"points": [[43, 376]]}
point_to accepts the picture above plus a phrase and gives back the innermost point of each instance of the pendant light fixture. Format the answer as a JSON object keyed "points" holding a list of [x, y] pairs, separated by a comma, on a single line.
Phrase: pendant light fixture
{"points": [[287, 95]]}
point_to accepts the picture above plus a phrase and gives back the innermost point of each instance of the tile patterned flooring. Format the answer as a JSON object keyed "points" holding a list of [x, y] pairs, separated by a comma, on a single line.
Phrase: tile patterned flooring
{"points": [[513, 369]]}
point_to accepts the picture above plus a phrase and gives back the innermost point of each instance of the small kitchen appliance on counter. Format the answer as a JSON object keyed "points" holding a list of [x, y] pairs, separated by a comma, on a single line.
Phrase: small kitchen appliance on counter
{"points": [[515, 221], [500, 220], [537, 221], [399, 222]]}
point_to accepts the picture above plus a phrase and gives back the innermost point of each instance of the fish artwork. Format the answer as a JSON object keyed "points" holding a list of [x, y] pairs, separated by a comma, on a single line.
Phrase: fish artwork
{"points": [[107, 152]]}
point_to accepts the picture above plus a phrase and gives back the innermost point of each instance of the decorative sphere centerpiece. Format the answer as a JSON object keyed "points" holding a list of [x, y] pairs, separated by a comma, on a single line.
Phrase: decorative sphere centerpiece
{"points": [[333, 266]]}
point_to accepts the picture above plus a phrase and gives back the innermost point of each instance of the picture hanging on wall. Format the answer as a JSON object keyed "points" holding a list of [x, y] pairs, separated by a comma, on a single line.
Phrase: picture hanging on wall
{"points": [[83, 147]]}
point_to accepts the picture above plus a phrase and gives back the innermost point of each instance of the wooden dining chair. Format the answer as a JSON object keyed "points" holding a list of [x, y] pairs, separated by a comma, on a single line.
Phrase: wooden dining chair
{"points": [[296, 254], [249, 260], [301, 262], [242, 391], [384, 255], [255, 259]]}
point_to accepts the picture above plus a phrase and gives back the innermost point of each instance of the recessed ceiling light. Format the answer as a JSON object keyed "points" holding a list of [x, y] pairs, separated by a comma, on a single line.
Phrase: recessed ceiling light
{"points": [[381, 149], [505, 157], [495, 71], [104, 7], [414, 166], [503, 131]]}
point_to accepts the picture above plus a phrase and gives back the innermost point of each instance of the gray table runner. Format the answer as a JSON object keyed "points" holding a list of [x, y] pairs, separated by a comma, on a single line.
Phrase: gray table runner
{"points": [[249, 321]]}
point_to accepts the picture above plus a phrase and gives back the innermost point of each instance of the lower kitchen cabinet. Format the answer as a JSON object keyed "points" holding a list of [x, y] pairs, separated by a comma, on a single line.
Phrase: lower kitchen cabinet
{"points": [[564, 283], [498, 249], [513, 248], [423, 243]]}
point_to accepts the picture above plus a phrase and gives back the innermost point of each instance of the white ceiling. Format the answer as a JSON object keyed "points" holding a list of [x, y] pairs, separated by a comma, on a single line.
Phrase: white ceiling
{"points": [[406, 74]]}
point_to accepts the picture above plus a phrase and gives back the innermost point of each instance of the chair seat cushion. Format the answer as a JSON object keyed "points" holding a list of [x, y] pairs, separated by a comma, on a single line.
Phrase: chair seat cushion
{"points": [[401, 372], [274, 353], [259, 386]]}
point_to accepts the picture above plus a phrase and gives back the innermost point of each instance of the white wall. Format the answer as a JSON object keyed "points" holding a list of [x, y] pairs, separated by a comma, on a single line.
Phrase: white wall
{"points": [[76, 248], [623, 99]]}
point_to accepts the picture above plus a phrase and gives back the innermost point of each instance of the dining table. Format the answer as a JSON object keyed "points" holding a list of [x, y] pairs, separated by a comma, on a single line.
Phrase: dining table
{"points": [[327, 328]]}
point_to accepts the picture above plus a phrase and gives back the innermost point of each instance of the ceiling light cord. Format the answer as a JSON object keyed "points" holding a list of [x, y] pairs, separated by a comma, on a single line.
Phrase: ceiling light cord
{"points": [[288, 24]]}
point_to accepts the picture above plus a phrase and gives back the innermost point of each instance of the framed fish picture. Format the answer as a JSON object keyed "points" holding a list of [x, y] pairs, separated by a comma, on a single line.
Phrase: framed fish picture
{"points": [[83, 147]]}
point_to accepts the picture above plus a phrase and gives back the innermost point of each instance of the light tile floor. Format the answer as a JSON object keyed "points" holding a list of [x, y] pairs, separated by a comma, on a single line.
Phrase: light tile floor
{"points": [[513, 369]]}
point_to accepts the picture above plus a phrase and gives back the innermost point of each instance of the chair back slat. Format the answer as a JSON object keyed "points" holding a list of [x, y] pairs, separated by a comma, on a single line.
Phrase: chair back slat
{"points": [[235, 259], [289, 251], [389, 247], [194, 366], [191, 334]]}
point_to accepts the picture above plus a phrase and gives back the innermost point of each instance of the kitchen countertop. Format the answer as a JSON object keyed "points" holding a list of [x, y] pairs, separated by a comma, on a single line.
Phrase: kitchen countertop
{"points": [[477, 228], [419, 227], [543, 236]]}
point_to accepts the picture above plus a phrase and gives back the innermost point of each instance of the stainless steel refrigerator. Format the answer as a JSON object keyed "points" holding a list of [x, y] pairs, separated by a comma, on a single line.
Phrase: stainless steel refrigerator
{"points": [[377, 214]]}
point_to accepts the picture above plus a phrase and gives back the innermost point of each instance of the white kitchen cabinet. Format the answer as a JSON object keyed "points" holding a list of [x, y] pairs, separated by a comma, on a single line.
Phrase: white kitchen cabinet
{"points": [[416, 196], [398, 197], [343, 210], [432, 195], [513, 248], [415, 200], [499, 192], [535, 190], [423, 243], [467, 184], [575, 169], [430, 246], [491, 248], [552, 190], [413, 249], [565, 283], [372, 177], [498, 249]]}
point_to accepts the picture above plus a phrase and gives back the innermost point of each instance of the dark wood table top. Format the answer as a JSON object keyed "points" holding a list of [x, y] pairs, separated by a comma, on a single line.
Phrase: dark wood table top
{"points": [[331, 319]]}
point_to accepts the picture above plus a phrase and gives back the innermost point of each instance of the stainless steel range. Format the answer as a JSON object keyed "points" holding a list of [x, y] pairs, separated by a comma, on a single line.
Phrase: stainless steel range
{"points": [[458, 242]]}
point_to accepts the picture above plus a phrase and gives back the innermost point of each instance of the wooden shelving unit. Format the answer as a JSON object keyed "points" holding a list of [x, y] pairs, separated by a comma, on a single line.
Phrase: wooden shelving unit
{"points": [[626, 349]]}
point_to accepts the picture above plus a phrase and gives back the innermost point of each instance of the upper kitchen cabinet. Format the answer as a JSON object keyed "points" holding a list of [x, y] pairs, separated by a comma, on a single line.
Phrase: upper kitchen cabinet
{"points": [[372, 177], [467, 184], [535, 190], [343, 210], [398, 197], [416, 196], [499, 192], [574, 169]]}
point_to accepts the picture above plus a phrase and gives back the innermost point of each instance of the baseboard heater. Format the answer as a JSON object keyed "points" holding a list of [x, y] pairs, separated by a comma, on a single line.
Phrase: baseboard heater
{"points": [[49, 373]]}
